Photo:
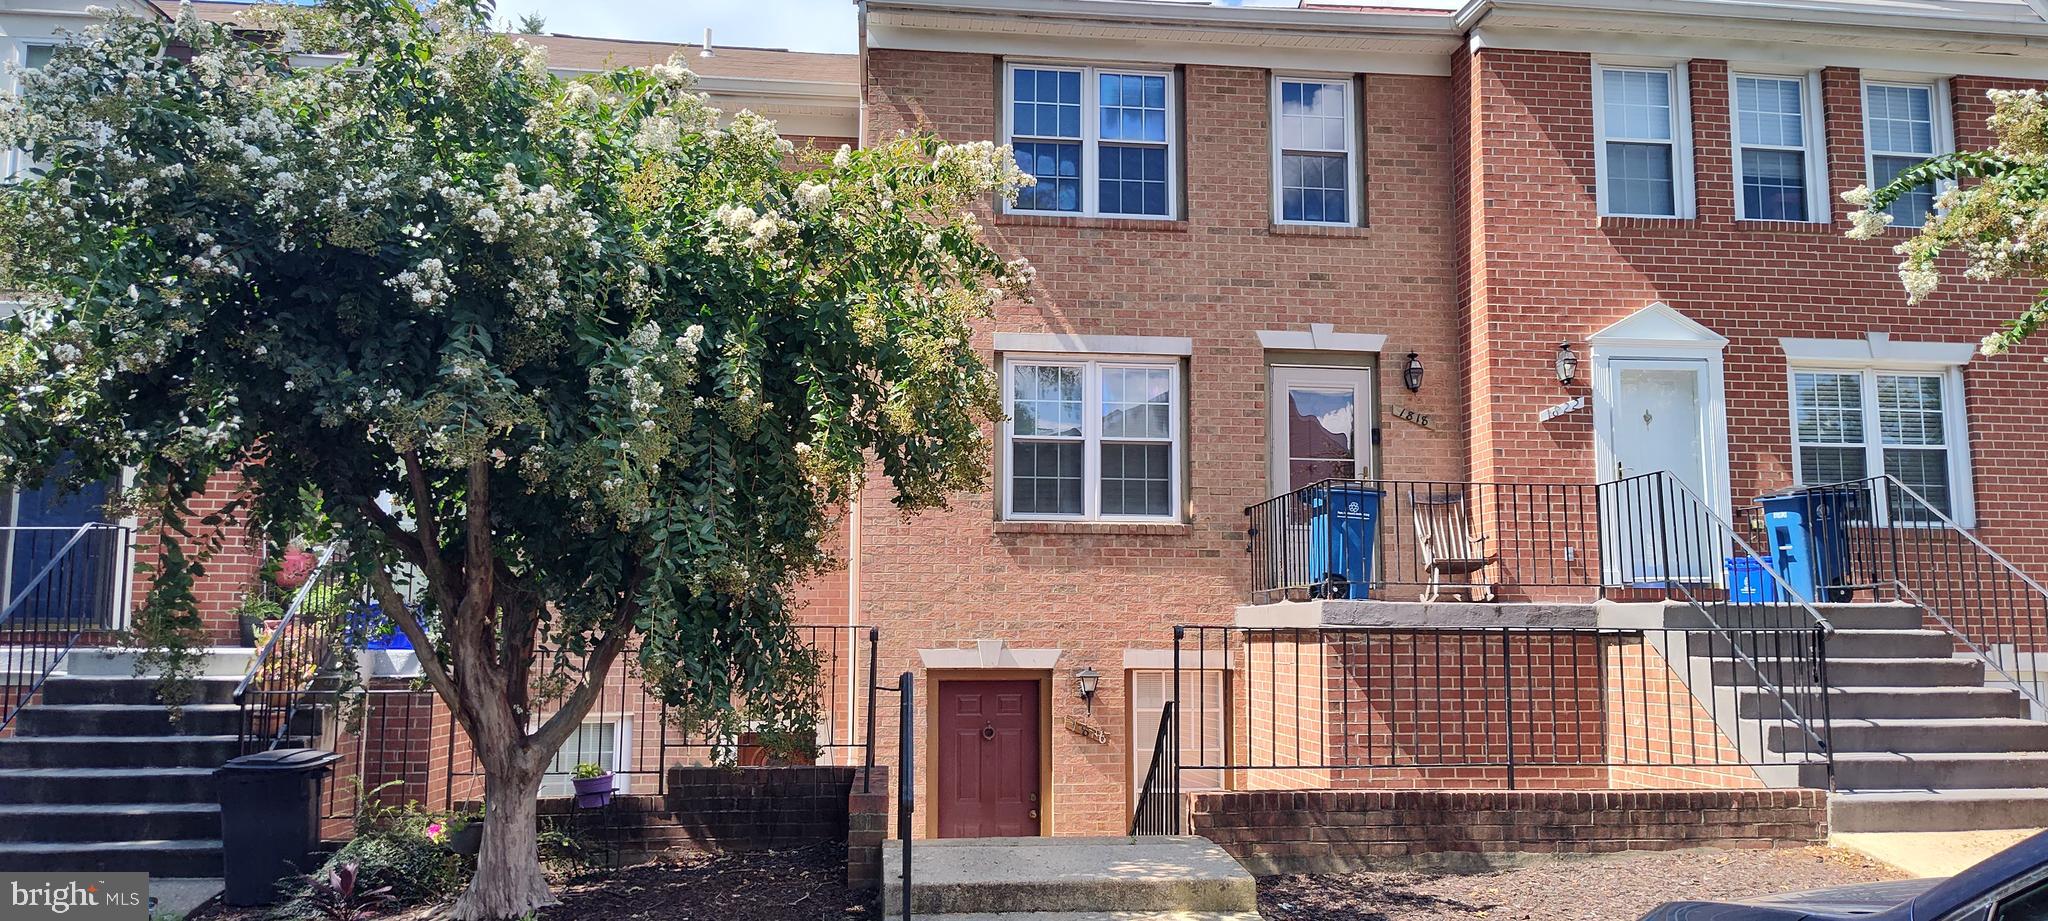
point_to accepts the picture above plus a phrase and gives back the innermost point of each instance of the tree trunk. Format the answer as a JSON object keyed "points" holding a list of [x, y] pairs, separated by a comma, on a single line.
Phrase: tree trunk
{"points": [[508, 881]]}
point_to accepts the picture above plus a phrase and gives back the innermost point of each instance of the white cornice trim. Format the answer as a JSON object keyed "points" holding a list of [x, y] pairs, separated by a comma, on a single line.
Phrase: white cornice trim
{"points": [[1204, 14], [1094, 345], [1320, 337], [1424, 53], [1877, 349]]}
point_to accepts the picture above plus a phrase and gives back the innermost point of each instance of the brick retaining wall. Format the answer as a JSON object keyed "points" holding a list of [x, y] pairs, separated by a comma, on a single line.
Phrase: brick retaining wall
{"points": [[726, 810], [1324, 831]]}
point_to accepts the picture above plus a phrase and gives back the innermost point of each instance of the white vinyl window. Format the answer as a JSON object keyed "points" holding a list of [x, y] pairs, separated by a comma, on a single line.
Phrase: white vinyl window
{"points": [[1092, 439], [1853, 423], [1202, 724], [1315, 151], [1779, 160], [1904, 124], [31, 56], [606, 743], [1644, 151], [1100, 141]]}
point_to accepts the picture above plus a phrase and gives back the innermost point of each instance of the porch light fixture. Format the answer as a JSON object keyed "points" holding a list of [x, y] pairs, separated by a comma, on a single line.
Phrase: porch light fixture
{"points": [[1567, 364], [1085, 682], [1411, 376]]}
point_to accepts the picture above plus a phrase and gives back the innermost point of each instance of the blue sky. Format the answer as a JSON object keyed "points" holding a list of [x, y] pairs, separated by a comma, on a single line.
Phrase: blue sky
{"points": [[799, 25]]}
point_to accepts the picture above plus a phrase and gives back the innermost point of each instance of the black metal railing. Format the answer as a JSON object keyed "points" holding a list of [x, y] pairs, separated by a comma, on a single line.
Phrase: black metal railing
{"points": [[57, 585], [1551, 707], [406, 733], [1159, 803], [1878, 539], [296, 656]]}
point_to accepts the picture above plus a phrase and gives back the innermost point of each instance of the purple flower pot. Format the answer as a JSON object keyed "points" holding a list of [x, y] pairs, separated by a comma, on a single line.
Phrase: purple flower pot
{"points": [[594, 792]]}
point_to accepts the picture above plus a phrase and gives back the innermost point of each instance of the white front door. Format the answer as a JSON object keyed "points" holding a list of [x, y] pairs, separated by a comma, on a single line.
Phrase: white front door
{"points": [[1321, 425], [1658, 421]]}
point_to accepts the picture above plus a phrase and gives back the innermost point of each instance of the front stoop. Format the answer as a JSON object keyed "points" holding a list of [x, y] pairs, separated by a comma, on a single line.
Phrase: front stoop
{"points": [[1071, 879]]}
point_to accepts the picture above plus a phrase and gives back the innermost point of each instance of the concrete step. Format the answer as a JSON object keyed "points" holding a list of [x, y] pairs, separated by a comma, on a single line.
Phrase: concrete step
{"points": [[1884, 616], [68, 690], [1921, 736], [126, 720], [205, 751], [43, 786], [1843, 644], [1008, 875], [100, 821], [1890, 703], [117, 662], [188, 858], [1931, 771], [1930, 810], [1893, 672]]}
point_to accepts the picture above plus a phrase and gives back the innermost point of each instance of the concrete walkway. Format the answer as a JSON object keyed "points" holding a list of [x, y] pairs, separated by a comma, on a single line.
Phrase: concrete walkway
{"points": [[175, 898], [1093, 878], [1931, 853]]}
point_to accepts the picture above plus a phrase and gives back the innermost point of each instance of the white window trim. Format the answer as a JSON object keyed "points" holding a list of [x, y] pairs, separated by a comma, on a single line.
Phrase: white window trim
{"points": [[1954, 421], [1091, 436], [1091, 130], [1682, 197], [1819, 208], [622, 755], [16, 159], [1943, 128], [1354, 169]]}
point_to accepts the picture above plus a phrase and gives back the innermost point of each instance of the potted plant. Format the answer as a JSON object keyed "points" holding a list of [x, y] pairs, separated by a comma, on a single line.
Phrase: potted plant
{"points": [[255, 611], [593, 786], [462, 834]]}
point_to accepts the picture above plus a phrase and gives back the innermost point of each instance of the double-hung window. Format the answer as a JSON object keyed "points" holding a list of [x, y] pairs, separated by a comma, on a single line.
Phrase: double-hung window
{"points": [[1904, 124], [1644, 152], [604, 742], [1778, 157], [34, 56], [1100, 141], [1853, 423], [1315, 151], [1089, 439], [1203, 729]]}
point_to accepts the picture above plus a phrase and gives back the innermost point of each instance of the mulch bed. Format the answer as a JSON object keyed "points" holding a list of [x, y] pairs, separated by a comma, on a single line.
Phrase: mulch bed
{"points": [[807, 884], [1603, 889], [794, 885]]}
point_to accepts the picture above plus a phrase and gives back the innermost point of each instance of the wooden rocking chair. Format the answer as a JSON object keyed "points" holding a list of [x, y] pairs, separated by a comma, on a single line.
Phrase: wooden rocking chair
{"points": [[1443, 532]]}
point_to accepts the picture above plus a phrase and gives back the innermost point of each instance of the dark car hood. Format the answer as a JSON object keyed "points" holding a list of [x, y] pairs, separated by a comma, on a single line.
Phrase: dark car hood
{"points": [[1858, 901]]}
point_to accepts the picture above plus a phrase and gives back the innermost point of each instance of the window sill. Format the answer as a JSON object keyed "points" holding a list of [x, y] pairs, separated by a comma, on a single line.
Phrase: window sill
{"points": [[1092, 223], [1318, 230], [1811, 227], [1097, 528], [1629, 222]]}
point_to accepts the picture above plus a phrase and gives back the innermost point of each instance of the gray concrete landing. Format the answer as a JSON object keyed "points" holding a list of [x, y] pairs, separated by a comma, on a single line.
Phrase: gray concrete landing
{"points": [[1088, 879]]}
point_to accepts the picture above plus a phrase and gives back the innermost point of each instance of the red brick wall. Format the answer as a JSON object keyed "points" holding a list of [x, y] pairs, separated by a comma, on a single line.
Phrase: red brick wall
{"points": [[1545, 268], [230, 575], [1220, 275], [1333, 831]]}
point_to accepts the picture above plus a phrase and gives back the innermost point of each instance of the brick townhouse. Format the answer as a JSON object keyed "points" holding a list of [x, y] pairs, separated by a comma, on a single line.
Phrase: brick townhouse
{"points": [[1477, 254]]}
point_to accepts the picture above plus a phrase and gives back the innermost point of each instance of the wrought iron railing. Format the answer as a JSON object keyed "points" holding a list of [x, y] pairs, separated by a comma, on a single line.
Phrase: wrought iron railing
{"points": [[292, 663], [407, 734], [1879, 539], [57, 585], [1159, 804]]}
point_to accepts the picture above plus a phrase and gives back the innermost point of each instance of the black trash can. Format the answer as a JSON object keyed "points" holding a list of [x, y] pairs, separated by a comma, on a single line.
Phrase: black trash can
{"points": [[269, 819]]}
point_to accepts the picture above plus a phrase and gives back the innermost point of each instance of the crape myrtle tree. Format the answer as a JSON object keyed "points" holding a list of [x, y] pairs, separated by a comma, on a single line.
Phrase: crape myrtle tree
{"points": [[592, 360], [1992, 209]]}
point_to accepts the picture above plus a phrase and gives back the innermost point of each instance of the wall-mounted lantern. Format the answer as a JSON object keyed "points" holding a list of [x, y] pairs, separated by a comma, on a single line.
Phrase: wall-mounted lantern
{"points": [[1085, 682], [1411, 376], [1567, 364]]}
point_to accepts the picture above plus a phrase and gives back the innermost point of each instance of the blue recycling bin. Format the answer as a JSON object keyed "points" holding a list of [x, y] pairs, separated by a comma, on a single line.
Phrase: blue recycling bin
{"points": [[1808, 534], [368, 625], [1343, 526], [1749, 580]]}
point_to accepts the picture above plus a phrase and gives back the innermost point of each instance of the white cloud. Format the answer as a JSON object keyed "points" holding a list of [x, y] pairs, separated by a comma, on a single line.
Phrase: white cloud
{"points": [[799, 25]]}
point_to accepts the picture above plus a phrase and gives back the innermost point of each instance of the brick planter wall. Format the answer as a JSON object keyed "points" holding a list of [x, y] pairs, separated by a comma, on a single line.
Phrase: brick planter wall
{"points": [[727, 810], [1326, 831]]}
